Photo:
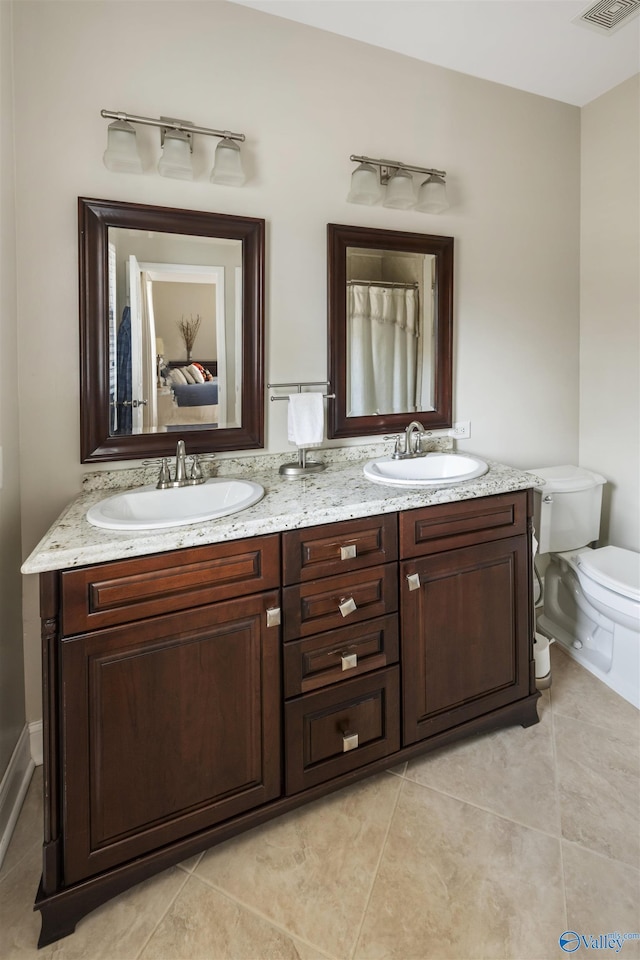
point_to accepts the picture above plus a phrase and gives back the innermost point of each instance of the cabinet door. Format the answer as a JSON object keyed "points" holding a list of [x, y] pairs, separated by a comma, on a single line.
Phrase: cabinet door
{"points": [[168, 726], [465, 643]]}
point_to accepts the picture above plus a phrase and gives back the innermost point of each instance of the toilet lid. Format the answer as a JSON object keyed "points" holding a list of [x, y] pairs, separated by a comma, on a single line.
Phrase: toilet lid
{"points": [[614, 568], [566, 479]]}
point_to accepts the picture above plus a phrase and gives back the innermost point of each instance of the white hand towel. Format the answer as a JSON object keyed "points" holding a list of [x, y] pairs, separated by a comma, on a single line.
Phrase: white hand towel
{"points": [[306, 419]]}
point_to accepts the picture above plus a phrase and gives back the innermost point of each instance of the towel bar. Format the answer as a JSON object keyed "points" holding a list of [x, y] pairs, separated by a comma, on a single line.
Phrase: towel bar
{"points": [[303, 466], [299, 386]]}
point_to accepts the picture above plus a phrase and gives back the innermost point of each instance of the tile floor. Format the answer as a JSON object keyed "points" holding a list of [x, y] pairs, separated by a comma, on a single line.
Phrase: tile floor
{"points": [[487, 849]]}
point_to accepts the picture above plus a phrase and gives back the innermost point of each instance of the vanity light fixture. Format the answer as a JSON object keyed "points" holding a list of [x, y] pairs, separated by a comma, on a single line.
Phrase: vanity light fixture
{"points": [[392, 183], [176, 155], [399, 193], [121, 154], [365, 187], [432, 195], [176, 139]]}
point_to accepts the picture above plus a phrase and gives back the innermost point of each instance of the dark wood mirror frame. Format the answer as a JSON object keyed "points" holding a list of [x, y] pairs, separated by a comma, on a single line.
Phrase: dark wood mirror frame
{"points": [[95, 218], [339, 238]]}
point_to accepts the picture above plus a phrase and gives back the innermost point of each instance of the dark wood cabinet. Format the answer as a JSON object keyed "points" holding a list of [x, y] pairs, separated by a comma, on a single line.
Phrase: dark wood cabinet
{"points": [[178, 712], [461, 630], [466, 612], [167, 729]]}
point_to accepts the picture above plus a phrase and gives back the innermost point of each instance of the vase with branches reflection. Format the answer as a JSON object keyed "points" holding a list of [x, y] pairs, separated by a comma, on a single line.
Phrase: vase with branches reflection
{"points": [[189, 331]]}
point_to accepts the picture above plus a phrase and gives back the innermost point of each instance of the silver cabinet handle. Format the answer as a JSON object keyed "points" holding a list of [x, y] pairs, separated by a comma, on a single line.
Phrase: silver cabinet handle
{"points": [[349, 741], [346, 606], [274, 617], [413, 580], [348, 552], [349, 660]]}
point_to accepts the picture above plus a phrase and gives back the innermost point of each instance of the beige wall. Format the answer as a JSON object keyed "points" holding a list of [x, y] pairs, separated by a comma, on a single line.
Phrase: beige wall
{"points": [[306, 100], [610, 305], [12, 708]]}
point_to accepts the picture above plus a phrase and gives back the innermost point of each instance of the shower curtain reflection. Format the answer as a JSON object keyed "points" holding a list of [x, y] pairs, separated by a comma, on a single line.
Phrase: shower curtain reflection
{"points": [[382, 347]]}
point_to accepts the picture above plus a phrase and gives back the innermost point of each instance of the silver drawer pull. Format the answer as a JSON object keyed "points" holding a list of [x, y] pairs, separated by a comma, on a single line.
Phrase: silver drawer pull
{"points": [[348, 552], [349, 660], [346, 606], [349, 742], [414, 581], [273, 617]]}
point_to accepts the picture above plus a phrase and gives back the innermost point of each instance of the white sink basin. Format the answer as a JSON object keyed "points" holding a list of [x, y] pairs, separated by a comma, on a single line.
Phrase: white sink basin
{"points": [[433, 470], [150, 509]]}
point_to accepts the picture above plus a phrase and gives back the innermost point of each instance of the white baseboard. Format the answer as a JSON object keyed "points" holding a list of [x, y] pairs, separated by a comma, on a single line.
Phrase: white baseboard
{"points": [[14, 785], [35, 739]]}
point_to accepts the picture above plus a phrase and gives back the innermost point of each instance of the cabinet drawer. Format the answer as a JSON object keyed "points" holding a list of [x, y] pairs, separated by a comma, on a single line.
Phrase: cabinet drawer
{"points": [[338, 547], [333, 731], [447, 526], [337, 601], [123, 591], [340, 655]]}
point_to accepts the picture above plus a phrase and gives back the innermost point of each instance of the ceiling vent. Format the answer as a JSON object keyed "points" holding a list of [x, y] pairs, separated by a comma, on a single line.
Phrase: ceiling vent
{"points": [[607, 16]]}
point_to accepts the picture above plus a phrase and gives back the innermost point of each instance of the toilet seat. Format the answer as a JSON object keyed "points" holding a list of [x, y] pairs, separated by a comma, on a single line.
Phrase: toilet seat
{"points": [[614, 568]]}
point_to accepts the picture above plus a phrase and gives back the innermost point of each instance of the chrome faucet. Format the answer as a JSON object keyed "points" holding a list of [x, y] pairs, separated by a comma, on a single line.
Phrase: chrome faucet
{"points": [[180, 478], [412, 437]]}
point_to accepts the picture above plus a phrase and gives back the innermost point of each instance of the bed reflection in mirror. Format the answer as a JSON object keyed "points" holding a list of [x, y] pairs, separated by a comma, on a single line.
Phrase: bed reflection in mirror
{"points": [[390, 331], [175, 332]]}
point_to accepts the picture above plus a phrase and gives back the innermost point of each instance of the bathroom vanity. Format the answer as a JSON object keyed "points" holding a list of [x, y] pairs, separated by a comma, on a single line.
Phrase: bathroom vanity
{"points": [[193, 692]]}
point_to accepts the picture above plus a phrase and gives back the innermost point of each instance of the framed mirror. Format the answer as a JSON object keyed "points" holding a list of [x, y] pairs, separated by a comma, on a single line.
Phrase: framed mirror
{"points": [[390, 302], [171, 331]]}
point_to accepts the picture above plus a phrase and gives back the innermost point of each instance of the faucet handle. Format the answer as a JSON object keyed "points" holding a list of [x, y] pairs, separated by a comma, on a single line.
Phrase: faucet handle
{"points": [[196, 471], [164, 477], [398, 449], [422, 439]]}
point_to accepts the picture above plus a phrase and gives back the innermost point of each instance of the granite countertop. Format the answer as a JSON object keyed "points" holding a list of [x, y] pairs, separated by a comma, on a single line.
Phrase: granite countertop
{"points": [[341, 492]]}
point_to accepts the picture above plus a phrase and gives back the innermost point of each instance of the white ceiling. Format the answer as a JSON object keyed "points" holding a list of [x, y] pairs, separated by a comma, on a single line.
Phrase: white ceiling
{"points": [[532, 45]]}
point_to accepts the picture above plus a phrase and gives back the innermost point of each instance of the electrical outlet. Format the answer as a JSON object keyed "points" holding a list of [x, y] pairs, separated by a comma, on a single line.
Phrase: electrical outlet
{"points": [[461, 430]]}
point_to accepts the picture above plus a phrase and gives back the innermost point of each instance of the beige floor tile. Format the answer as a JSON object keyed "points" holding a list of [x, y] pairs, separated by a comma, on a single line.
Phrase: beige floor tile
{"points": [[399, 770], [19, 925], [510, 772], [578, 694], [189, 865], [457, 883], [202, 924], [28, 829], [599, 789], [115, 931], [310, 872], [603, 896]]}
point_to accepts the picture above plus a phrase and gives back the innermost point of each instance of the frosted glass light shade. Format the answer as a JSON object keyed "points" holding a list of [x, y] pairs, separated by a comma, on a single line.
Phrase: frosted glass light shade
{"points": [[227, 167], [176, 156], [365, 187], [121, 154], [432, 196], [400, 191]]}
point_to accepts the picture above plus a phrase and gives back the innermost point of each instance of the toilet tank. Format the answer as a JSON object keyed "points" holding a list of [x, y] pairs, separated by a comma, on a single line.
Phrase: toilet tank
{"points": [[567, 508]]}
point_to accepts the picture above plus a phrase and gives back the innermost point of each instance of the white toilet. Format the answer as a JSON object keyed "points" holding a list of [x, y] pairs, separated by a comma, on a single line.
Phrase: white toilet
{"points": [[591, 597]]}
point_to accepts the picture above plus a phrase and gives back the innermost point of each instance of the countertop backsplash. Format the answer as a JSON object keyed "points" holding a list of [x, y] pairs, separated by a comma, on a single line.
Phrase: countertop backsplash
{"points": [[341, 492], [248, 465]]}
